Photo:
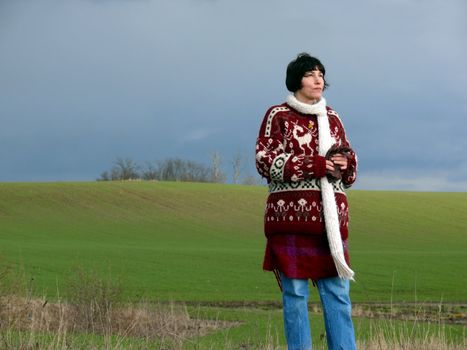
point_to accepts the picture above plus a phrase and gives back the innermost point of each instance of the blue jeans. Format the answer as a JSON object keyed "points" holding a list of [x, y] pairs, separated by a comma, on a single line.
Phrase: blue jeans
{"points": [[337, 309]]}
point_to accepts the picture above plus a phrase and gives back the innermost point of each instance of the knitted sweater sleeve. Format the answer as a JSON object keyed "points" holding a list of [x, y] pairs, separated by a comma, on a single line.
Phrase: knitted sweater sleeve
{"points": [[350, 174], [274, 163]]}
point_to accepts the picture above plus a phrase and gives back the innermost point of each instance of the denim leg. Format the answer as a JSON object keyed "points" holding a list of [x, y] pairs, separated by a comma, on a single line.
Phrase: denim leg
{"points": [[337, 309], [295, 304]]}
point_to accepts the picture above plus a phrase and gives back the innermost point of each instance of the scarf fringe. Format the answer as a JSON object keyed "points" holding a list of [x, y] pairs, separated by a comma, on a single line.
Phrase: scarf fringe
{"points": [[333, 231], [343, 270]]}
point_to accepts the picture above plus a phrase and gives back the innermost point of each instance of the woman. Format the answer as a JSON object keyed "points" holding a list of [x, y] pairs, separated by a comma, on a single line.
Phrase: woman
{"points": [[303, 152]]}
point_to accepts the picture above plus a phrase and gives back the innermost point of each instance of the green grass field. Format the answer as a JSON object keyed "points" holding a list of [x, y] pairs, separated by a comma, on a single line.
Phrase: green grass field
{"points": [[204, 242]]}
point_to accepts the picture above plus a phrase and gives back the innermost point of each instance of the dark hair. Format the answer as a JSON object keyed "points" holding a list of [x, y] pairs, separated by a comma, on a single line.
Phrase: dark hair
{"points": [[297, 69]]}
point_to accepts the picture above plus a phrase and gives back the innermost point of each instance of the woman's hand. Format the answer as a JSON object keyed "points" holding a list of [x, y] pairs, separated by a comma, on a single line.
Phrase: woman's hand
{"points": [[333, 171], [335, 166], [340, 160]]}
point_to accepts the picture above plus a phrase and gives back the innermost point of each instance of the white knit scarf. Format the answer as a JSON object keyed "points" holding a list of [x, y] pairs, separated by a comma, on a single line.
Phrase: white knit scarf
{"points": [[329, 201]]}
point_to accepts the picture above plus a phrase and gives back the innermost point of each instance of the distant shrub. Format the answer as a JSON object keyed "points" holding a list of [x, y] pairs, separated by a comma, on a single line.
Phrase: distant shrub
{"points": [[170, 169]]}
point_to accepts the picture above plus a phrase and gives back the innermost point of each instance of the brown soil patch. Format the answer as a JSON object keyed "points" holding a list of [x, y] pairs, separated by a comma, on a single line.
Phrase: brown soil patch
{"points": [[449, 313]]}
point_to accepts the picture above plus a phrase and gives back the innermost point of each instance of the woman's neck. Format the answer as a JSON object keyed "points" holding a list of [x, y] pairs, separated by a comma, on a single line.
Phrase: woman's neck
{"points": [[303, 99]]}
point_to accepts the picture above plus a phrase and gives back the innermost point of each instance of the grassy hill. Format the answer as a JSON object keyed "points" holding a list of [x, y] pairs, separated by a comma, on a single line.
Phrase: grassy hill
{"points": [[204, 242]]}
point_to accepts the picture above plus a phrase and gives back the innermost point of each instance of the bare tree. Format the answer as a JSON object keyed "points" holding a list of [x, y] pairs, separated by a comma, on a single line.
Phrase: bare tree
{"points": [[176, 169], [105, 176], [124, 169], [237, 165], [150, 172], [216, 173], [196, 172], [170, 169]]}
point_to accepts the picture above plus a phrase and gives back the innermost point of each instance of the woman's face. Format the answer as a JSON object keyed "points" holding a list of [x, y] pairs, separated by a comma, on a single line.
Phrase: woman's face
{"points": [[312, 87]]}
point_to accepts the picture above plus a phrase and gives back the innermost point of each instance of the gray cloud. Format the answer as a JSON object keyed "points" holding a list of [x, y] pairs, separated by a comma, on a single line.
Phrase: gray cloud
{"points": [[133, 78]]}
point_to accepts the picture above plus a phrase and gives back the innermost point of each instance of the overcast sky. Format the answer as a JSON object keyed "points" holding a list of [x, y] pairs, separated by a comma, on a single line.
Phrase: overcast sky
{"points": [[83, 82]]}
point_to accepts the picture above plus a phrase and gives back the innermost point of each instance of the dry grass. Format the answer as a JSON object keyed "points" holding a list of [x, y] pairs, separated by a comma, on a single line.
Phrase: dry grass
{"points": [[94, 317], [380, 342], [145, 320], [24, 321], [93, 307], [452, 313], [170, 324]]}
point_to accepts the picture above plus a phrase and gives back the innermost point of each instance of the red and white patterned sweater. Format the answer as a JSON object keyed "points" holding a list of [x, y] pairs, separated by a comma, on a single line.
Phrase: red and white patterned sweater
{"points": [[287, 156]]}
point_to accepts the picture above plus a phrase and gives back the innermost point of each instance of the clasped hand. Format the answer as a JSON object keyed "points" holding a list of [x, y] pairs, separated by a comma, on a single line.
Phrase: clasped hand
{"points": [[338, 160]]}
